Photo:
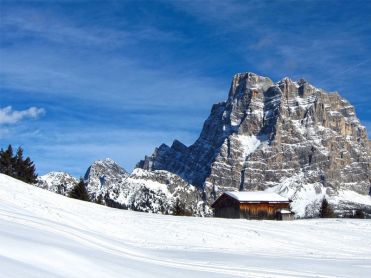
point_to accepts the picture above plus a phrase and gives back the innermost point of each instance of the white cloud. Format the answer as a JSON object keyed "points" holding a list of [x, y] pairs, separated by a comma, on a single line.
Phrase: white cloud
{"points": [[10, 116]]}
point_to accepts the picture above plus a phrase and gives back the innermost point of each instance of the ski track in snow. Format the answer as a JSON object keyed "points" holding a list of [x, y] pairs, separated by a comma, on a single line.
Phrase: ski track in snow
{"points": [[43, 234]]}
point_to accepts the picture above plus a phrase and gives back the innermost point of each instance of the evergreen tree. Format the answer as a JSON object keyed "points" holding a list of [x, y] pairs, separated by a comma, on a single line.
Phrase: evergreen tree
{"points": [[79, 191], [326, 210], [180, 209], [19, 166], [359, 214], [7, 161], [16, 166], [29, 171]]}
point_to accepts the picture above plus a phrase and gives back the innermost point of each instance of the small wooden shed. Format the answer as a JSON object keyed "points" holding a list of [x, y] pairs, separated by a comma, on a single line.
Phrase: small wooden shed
{"points": [[252, 205]]}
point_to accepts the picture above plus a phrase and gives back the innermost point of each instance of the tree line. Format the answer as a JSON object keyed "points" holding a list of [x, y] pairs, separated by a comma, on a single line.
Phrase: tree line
{"points": [[16, 166]]}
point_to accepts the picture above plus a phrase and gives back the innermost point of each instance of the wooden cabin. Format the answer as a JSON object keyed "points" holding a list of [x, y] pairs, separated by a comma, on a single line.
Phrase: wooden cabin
{"points": [[252, 205]]}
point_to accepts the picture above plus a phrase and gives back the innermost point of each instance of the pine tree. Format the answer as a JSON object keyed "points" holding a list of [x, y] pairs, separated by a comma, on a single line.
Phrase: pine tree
{"points": [[7, 161], [79, 191], [29, 171], [359, 214], [16, 166], [180, 209], [19, 166], [326, 210]]}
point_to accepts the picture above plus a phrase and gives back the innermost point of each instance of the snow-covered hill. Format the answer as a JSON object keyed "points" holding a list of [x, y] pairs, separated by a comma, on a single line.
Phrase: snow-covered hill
{"points": [[43, 234]]}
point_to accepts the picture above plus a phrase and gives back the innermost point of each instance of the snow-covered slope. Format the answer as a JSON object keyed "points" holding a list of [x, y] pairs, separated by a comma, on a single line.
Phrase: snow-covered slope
{"points": [[43, 234], [307, 197]]}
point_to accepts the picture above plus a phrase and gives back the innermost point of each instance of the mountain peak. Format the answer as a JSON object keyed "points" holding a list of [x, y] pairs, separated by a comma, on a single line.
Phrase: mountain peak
{"points": [[268, 134], [107, 164], [102, 177], [244, 81]]}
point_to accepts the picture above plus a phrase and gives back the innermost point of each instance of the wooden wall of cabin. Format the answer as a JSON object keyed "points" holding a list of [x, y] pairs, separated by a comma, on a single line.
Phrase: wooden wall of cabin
{"points": [[261, 210], [227, 212], [227, 208]]}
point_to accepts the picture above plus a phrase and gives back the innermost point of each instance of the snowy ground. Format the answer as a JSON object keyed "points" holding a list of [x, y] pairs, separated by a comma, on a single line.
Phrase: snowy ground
{"points": [[43, 234]]}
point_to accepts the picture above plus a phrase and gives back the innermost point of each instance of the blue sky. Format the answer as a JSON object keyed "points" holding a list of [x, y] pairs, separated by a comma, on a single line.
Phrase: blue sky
{"points": [[85, 80]]}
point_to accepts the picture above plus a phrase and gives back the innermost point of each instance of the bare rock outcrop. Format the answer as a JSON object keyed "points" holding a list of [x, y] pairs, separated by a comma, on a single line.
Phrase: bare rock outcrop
{"points": [[286, 136]]}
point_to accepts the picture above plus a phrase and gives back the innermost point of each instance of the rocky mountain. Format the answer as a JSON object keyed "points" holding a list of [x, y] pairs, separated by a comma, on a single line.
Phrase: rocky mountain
{"points": [[104, 181], [289, 137], [109, 184], [58, 182], [165, 192]]}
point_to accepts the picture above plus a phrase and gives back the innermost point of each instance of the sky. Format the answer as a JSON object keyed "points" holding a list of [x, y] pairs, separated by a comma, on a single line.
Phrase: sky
{"points": [[86, 80]]}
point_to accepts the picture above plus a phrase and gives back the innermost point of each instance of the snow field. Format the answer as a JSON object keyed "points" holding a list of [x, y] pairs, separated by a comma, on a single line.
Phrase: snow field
{"points": [[43, 234]]}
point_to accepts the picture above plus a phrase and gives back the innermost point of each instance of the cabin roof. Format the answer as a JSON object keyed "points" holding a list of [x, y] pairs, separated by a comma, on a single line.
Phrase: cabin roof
{"points": [[256, 196], [250, 197]]}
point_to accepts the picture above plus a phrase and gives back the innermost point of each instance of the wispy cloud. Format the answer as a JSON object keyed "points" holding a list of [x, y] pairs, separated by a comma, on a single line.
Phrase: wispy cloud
{"points": [[60, 59], [125, 82], [10, 116], [332, 51], [57, 29]]}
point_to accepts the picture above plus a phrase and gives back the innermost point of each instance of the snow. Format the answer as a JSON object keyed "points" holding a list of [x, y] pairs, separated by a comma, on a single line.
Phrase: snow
{"points": [[235, 122], [256, 196], [249, 143], [58, 182], [306, 197], [150, 184], [43, 234], [349, 195], [53, 177]]}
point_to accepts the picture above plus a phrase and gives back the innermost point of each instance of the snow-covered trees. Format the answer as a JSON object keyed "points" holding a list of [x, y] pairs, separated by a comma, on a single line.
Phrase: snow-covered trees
{"points": [[16, 166]]}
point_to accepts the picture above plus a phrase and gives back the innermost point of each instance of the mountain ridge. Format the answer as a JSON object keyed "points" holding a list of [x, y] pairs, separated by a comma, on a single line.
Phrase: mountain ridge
{"points": [[266, 133], [109, 184], [287, 137]]}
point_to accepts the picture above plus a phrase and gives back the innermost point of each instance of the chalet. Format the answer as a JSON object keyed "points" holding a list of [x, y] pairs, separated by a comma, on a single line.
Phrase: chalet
{"points": [[252, 205]]}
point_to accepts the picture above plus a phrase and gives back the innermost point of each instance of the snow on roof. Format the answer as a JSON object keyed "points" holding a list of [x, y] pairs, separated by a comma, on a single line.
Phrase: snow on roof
{"points": [[285, 211], [256, 196]]}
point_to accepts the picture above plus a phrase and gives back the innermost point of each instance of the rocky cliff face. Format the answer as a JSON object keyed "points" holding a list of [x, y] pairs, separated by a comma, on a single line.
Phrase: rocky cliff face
{"points": [[58, 182], [290, 137]]}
